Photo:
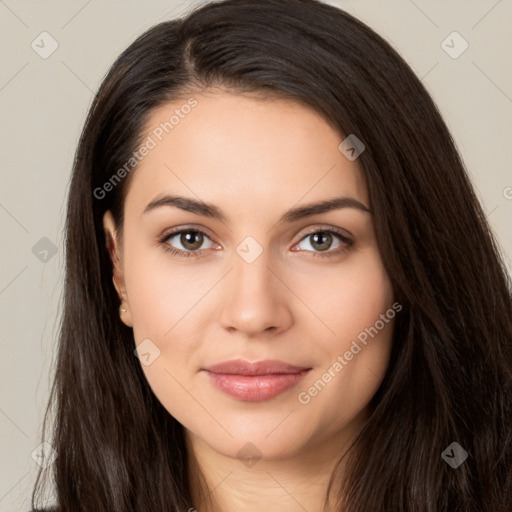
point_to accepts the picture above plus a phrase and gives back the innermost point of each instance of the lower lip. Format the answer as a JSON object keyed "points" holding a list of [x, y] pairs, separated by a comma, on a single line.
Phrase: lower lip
{"points": [[255, 388]]}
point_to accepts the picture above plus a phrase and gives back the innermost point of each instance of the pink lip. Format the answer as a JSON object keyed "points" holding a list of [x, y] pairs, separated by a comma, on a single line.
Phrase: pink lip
{"points": [[255, 382]]}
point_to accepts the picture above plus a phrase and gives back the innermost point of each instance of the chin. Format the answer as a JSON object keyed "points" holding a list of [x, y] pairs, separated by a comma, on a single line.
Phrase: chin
{"points": [[254, 439]]}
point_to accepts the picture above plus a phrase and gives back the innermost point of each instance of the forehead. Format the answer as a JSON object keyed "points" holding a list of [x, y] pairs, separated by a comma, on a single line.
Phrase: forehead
{"points": [[248, 151]]}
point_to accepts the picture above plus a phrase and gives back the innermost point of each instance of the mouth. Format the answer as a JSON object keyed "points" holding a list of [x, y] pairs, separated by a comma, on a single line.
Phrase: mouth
{"points": [[255, 382]]}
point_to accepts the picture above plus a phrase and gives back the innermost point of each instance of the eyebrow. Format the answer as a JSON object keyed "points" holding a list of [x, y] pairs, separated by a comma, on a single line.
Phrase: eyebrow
{"points": [[292, 215]]}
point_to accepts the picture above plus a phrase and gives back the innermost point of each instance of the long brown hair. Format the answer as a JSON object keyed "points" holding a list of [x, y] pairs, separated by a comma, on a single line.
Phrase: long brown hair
{"points": [[450, 373]]}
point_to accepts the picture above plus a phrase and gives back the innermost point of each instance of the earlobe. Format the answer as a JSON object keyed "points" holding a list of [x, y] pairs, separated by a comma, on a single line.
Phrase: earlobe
{"points": [[114, 251]]}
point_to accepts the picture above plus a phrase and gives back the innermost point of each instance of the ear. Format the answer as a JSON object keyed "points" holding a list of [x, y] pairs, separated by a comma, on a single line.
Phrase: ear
{"points": [[114, 250]]}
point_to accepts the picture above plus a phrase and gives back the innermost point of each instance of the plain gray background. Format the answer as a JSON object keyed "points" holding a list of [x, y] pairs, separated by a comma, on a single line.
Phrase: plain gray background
{"points": [[43, 104]]}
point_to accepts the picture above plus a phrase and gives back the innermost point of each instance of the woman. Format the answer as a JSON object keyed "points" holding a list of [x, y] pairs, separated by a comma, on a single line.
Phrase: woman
{"points": [[281, 291]]}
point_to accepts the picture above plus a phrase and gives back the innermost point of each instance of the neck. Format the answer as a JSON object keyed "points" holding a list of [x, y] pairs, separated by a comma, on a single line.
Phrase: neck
{"points": [[296, 483]]}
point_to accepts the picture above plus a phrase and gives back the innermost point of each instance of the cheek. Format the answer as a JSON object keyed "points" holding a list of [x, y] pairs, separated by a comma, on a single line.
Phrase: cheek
{"points": [[162, 293], [349, 299], [165, 307], [167, 304], [357, 307]]}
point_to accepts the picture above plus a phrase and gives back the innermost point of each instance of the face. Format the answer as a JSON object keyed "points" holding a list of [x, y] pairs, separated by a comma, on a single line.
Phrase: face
{"points": [[258, 276]]}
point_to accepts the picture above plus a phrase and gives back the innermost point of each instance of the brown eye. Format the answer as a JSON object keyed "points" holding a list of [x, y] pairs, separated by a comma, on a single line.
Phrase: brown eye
{"points": [[322, 240], [189, 242]]}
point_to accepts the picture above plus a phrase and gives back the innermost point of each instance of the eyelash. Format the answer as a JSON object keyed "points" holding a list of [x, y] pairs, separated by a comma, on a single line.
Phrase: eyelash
{"points": [[187, 254]]}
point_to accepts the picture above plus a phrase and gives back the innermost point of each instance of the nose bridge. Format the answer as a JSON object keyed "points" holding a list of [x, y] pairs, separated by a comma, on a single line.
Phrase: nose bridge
{"points": [[251, 275], [255, 299]]}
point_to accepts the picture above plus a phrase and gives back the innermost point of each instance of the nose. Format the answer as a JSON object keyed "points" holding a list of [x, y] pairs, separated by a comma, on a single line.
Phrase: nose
{"points": [[255, 299]]}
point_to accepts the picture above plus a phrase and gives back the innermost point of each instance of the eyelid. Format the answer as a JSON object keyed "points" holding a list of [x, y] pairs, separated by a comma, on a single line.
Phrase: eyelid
{"points": [[344, 239], [167, 234], [338, 231], [200, 229], [346, 242], [188, 227]]}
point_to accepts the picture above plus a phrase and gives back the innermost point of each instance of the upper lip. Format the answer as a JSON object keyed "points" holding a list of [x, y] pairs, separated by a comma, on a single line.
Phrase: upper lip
{"points": [[242, 367]]}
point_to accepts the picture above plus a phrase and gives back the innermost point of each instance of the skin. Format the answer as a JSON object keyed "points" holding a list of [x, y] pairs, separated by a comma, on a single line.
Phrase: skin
{"points": [[254, 158]]}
